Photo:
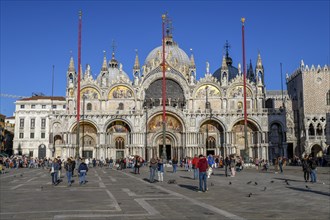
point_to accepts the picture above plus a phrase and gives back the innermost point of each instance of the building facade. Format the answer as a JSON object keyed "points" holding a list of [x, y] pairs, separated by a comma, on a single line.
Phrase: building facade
{"points": [[121, 117], [309, 95]]}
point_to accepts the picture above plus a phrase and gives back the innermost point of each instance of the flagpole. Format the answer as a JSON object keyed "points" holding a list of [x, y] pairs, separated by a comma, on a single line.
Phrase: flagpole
{"points": [[78, 87], [164, 89], [246, 150]]}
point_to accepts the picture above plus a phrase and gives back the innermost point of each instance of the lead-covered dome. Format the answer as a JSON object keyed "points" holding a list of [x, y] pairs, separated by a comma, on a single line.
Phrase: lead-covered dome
{"points": [[174, 56]]}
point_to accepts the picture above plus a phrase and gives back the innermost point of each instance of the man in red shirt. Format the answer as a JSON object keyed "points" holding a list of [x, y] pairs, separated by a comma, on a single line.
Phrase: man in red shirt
{"points": [[202, 166], [195, 166]]}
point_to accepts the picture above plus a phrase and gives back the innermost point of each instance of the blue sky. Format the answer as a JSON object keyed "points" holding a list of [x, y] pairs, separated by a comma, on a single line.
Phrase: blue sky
{"points": [[35, 35]]}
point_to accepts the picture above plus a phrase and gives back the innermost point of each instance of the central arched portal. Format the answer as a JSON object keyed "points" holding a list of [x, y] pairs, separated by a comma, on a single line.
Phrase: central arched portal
{"points": [[173, 129], [169, 144]]}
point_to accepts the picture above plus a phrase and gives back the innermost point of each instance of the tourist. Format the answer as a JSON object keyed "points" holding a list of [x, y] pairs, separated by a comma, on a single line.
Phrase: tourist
{"points": [[195, 166], [227, 164], [202, 166], [111, 163], [280, 164], [232, 166], [153, 166], [313, 166], [160, 170], [69, 168], [174, 164], [137, 165], [82, 171], [306, 168]]}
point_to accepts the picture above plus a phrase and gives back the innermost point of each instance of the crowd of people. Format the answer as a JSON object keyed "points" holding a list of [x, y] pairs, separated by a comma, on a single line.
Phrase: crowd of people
{"points": [[202, 166]]}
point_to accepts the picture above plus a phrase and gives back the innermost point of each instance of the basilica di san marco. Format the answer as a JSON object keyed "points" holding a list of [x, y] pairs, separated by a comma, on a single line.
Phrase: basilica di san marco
{"points": [[121, 117]]}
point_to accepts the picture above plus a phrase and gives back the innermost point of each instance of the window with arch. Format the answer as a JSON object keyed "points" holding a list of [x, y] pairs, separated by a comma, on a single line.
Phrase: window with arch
{"points": [[89, 107], [120, 143], [328, 97], [319, 129], [210, 143], [311, 130], [121, 106], [70, 78]]}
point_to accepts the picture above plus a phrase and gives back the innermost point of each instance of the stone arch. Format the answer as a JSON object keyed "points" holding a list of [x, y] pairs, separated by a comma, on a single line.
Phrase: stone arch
{"points": [[318, 129], [111, 121], [158, 76], [214, 132], [311, 130], [316, 151], [88, 135], [174, 94], [238, 132]]}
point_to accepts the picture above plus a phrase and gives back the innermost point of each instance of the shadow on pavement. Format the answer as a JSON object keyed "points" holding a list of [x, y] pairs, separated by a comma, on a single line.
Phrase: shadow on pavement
{"points": [[190, 187], [186, 177], [309, 190], [291, 180]]}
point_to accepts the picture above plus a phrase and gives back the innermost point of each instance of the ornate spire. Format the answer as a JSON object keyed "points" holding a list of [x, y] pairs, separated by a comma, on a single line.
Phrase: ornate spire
{"points": [[136, 63], [71, 65], [224, 63], [104, 65], [259, 62], [192, 60]]}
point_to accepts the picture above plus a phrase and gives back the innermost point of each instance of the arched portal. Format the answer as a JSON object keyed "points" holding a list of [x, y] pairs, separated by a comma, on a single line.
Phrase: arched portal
{"points": [[276, 141], [316, 151], [41, 151], [173, 130], [87, 139], [214, 136], [118, 139], [57, 145], [239, 139]]}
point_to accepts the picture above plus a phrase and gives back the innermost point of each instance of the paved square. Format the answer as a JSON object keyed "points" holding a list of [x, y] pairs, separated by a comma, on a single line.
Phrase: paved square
{"points": [[112, 194]]}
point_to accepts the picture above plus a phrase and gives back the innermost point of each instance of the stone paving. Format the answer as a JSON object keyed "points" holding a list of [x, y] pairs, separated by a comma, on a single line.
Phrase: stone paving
{"points": [[121, 194]]}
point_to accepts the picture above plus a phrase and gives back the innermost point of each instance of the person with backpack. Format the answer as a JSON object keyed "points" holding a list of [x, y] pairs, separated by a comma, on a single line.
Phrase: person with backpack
{"points": [[82, 171], [306, 167], [69, 169], [313, 166]]}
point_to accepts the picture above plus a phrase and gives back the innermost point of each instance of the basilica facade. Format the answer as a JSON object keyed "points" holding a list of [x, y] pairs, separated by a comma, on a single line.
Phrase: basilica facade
{"points": [[121, 117]]}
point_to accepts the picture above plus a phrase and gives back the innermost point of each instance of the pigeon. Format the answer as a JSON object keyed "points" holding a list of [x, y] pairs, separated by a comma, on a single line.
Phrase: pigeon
{"points": [[287, 183], [255, 183], [171, 181], [265, 188], [21, 175], [212, 184], [272, 181], [307, 187], [249, 182], [229, 183], [250, 194]]}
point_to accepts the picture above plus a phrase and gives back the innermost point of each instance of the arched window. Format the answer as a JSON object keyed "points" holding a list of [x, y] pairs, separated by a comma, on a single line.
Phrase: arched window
{"points": [[319, 130], [311, 130], [121, 106], [328, 98], [89, 107], [210, 142], [70, 78], [120, 143]]}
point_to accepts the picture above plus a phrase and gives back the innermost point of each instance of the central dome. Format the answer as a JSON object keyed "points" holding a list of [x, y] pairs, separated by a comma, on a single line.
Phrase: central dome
{"points": [[174, 55]]}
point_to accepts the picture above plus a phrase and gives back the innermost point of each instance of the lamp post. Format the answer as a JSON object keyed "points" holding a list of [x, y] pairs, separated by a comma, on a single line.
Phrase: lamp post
{"points": [[207, 106], [83, 126], [146, 136]]}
